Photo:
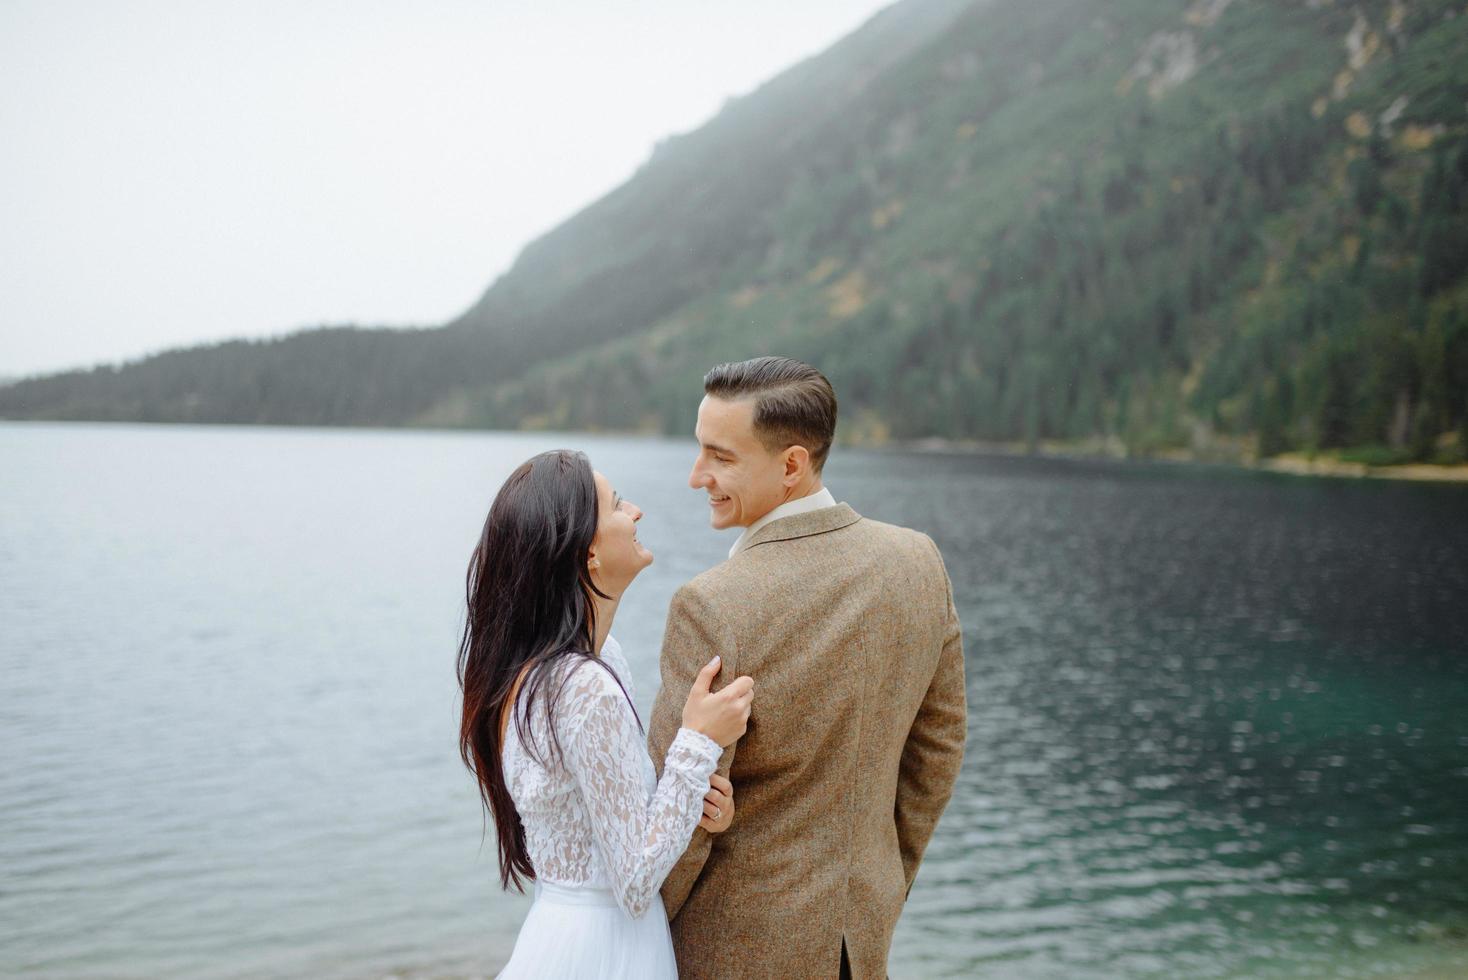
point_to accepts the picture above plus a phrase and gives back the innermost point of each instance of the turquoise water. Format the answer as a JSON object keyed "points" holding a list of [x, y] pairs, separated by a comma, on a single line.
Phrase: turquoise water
{"points": [[1219, 721]]}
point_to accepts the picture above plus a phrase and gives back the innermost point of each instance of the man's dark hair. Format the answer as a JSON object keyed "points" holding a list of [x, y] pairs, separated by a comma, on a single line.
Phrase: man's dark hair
{"points": [[794, 404]]}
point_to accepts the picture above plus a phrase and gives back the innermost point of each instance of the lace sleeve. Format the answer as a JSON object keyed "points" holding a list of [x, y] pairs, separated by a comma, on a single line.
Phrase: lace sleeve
{"points": [[640, 839]]}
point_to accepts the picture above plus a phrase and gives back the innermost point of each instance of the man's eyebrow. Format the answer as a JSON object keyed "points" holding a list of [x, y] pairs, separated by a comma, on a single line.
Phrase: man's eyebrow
{"points": [[711, 446]]}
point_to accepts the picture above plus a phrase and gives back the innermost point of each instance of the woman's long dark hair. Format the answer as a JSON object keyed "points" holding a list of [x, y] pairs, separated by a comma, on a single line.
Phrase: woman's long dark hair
{"points": [[530, 598]]}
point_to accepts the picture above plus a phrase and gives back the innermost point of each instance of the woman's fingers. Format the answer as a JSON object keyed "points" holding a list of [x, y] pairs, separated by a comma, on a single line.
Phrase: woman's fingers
{"points": [[705, 678], [718, 805], [737, 688]]}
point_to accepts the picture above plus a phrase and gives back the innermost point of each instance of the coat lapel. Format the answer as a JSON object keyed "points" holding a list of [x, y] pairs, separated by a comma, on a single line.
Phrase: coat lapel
{"points": [[804, 525]]}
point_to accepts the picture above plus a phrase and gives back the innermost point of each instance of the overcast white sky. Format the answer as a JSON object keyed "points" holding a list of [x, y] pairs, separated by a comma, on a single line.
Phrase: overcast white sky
{"points": [[188, 170]]}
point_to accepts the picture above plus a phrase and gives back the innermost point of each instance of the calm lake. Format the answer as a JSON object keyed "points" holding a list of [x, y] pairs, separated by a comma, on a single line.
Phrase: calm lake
{"points": [[1218, 720]]}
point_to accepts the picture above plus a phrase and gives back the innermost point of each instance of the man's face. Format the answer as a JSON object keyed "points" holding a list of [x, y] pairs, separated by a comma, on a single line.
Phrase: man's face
{"points": [[744, 480]]}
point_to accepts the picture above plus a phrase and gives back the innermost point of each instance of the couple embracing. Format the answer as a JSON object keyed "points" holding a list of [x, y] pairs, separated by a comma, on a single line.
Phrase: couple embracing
{"points": [[769, 818]]}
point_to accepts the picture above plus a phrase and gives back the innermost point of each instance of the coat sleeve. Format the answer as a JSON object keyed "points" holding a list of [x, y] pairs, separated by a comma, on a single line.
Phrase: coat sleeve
{"points": [[695, 635], [933, 752]]}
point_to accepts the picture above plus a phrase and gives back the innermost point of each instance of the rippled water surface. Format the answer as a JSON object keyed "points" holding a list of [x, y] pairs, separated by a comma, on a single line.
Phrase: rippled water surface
{"points": [[1219, 721]]}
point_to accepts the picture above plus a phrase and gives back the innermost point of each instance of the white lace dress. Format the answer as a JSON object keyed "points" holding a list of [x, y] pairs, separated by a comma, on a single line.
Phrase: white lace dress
{"points": [[602, 831]]}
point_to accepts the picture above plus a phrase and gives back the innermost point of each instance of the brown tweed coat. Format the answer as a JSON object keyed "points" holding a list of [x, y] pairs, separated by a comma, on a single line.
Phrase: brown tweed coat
{"points": [[848, 628]]}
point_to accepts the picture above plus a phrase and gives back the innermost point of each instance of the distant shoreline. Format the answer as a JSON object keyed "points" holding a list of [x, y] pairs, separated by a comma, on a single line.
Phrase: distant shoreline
{"points": [[1293, 464]]}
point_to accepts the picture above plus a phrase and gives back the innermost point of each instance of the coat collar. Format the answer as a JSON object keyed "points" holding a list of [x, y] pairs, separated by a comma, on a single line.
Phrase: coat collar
{"points": [[805, 525]]}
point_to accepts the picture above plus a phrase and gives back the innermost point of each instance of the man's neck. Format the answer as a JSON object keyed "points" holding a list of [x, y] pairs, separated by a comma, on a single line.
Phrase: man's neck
{"points": [[789, 506], [800, 490]]}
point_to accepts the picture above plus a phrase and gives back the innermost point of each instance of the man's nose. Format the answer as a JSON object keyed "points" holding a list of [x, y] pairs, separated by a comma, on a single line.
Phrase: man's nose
{"points": [[695, 478]]}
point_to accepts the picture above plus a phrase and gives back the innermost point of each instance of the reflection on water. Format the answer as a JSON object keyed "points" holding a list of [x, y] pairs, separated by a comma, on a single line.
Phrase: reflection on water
{"points": [[1219, 721], [1220, 726]]}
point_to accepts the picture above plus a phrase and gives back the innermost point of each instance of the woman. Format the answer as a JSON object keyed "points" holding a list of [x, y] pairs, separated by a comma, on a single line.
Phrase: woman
{"points": [[552, 737]]}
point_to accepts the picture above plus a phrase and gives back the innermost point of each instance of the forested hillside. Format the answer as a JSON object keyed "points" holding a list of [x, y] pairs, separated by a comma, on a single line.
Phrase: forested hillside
{"points": [[1234, 228]]}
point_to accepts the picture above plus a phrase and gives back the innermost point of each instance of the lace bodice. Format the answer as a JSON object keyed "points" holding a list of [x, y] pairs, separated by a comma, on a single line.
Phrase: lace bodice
{"points": [[598, 816]]}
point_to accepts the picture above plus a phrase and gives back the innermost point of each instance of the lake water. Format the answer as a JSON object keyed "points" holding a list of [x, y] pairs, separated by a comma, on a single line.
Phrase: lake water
{"points": [[1219, 720]]}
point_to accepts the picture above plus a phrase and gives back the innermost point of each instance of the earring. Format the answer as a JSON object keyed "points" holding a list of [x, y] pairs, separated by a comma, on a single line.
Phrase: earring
{"points": [[594, 563]]}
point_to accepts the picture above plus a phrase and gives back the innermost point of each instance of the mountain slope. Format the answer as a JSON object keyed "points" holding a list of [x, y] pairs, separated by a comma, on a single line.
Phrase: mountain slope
{"points": [[1240, 227], [618, 266]]}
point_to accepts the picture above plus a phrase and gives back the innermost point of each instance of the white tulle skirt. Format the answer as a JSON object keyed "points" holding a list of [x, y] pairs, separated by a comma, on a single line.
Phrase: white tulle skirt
{"points": [[583, 932]]}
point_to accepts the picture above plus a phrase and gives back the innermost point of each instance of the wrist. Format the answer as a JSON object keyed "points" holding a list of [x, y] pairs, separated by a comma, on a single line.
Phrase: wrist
{"points": [[702, 738]]}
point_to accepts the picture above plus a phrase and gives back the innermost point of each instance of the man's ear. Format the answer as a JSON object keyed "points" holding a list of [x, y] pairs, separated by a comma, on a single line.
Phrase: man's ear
{"points": [[797, 462]]}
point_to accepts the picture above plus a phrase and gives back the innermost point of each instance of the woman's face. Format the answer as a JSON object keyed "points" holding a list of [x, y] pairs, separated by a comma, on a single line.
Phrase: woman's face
{"points": [[619, 555]]}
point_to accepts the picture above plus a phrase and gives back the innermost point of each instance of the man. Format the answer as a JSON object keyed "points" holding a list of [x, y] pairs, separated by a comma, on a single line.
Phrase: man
{"points": [[848, 627]]}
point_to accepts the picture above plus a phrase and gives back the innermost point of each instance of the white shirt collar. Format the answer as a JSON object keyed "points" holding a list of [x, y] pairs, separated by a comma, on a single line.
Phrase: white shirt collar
{"points": [[821, 498]]}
